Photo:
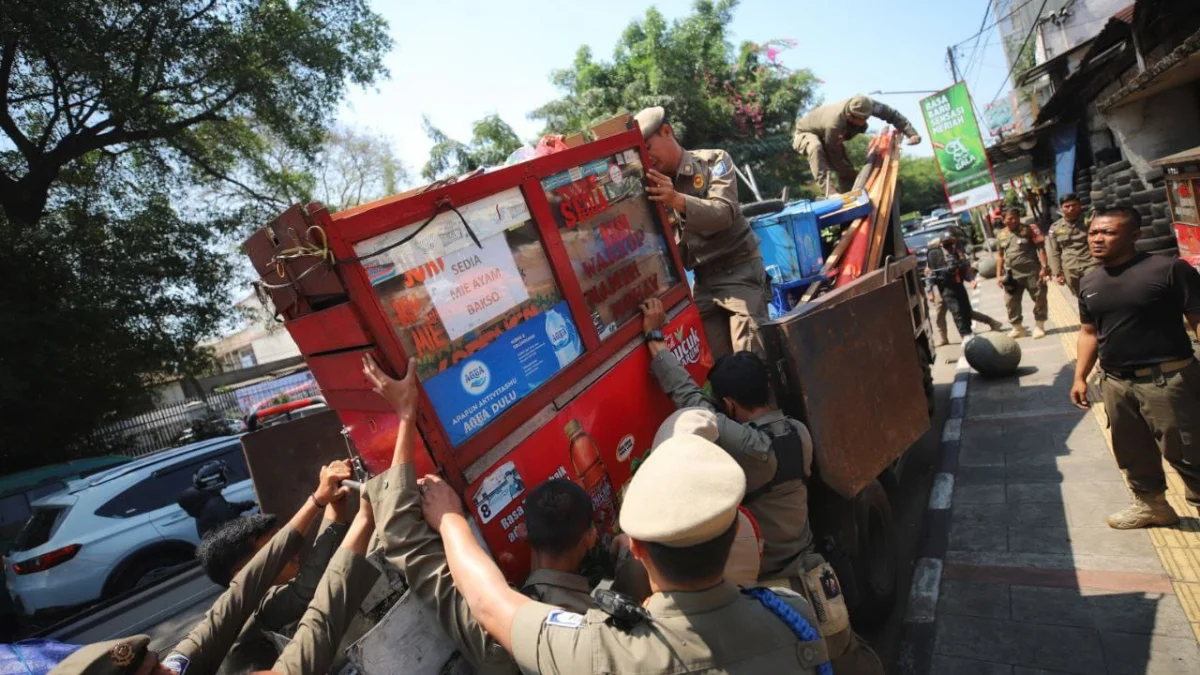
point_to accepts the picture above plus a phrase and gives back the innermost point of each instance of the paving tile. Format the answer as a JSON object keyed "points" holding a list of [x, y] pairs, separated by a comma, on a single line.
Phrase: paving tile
{"points": [[980, 475], [951, 665], [973, 454], [1128, 654], [1076, 541], [1059, 606], [1140, 613], [1055, 561], [981, 494], [973, 598], [975, 638], [1039, 493], [979, 538], [979, 514], [1061, 648]]}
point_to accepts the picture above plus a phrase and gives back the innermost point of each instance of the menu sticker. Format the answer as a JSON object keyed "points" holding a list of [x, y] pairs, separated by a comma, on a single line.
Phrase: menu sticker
{"points": [[476, 285]]}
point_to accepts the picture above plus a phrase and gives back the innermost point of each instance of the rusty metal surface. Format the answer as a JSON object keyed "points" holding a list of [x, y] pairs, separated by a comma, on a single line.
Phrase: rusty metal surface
{"points": [[847, 367], [285, 459]]}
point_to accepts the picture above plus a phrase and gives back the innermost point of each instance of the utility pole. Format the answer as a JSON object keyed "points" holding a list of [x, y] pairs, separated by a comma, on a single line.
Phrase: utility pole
{"points": [[953, 64]]}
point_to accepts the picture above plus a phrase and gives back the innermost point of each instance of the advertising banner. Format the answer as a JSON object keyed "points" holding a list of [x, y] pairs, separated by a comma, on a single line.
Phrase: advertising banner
{"points": [[469, 394], [958, 147]]}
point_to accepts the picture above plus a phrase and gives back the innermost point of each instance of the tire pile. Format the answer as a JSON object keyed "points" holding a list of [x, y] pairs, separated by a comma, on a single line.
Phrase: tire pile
{"points": [[1117, 184]]}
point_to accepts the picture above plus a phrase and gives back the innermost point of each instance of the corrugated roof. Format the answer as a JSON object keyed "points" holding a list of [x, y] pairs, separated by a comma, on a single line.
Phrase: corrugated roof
{"points": [[1192, 155]]}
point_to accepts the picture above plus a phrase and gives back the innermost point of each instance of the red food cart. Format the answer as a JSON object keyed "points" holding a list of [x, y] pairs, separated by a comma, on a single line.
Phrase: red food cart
{"points": [[517, 292], [1182, 174]]}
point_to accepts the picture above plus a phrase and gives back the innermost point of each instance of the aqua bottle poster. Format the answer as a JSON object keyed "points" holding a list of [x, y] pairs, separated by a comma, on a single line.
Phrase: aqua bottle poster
{"points": [[958, 147]]}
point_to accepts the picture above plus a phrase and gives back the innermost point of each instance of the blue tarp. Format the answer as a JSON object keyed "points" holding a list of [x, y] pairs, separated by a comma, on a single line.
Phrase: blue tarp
{"points": [[1064, 158], [33, 657]]}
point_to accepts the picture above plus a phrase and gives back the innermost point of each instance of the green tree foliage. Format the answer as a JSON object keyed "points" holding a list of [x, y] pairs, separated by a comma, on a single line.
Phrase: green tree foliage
{"points": [[110, 113], [920, 185], [492, 141], [715, 95]]}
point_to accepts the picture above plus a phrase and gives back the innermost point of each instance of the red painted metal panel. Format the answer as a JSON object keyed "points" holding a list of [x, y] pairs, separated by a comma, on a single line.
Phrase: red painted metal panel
{"points": [[331, 329]]}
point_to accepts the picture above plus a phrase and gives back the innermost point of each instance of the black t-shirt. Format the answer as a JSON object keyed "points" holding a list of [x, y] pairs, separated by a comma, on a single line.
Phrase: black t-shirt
{"points": [[1137, 309]]}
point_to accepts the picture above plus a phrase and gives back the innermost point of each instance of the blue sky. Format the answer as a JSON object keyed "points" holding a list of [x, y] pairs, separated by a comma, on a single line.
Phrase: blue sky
{"points": [[458, 60]]}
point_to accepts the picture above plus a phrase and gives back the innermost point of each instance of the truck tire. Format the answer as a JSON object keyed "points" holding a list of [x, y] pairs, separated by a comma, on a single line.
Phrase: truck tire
{"points": [[1155, 243], [1172, 252], [1123, 192], [924, 359], [876, 565]]}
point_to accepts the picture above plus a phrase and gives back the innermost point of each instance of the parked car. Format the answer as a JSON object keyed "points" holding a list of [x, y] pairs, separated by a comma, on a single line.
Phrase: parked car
{"points": [[19, 490], [118, 530], [918, 242]]}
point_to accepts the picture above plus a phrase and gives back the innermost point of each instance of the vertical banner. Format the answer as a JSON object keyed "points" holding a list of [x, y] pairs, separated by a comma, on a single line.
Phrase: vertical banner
{"points": [[958, 147]]}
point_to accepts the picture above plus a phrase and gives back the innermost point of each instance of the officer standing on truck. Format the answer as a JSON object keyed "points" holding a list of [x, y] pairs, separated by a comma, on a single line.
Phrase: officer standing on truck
{"points": [[776, 454], [821, 136], [680, 512], [700, 188], [1067, 246], [1021, 268], [947, 270]]}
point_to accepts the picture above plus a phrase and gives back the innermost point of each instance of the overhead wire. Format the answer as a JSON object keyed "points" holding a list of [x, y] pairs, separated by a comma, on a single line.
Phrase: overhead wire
{"points": [[1017, 58], [995, 23]]}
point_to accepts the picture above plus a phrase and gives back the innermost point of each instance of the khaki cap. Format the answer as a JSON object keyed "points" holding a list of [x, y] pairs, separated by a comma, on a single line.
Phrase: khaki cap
{"points": [[106, 658], [685, 493], [860, 106], [650, 119], [700, 422]]}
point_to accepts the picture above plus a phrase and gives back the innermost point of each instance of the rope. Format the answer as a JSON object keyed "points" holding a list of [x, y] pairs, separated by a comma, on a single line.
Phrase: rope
{"points": [[442, 204], [794, 620]]}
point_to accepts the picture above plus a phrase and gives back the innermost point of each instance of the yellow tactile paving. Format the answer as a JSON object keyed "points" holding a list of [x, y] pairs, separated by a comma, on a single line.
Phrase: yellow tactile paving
{"points": [[1178, 548]]}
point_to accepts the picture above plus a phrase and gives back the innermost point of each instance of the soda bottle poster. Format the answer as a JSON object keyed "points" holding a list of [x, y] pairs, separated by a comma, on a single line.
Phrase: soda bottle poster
{"points": [[468, 395], [958, 148]]}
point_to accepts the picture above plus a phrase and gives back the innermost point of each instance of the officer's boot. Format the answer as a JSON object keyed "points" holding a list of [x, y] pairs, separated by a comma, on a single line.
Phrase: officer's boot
{"points": [[1145, 511], [996, 325], [1039, 330], [1018, 331], [942, 341]]}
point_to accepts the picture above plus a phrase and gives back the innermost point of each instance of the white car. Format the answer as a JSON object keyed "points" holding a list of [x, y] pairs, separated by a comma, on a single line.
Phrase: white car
{"points": [[116, 530]]}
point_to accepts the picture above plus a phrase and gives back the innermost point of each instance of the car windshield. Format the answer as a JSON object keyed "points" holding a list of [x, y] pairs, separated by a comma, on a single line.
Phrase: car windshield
{"points": [[920, 240]]}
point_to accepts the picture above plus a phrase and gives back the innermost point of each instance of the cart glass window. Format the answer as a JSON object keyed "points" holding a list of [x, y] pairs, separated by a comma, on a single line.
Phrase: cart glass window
{"points": [[608, 226], [487, 323]]}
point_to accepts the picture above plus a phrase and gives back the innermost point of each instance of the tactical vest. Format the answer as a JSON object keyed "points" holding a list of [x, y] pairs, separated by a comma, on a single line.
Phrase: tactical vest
{"points": [[789, 460]]}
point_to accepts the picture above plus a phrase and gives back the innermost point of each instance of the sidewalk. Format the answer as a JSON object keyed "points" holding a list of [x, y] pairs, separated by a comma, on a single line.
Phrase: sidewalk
{"points": [[1032, 580]]}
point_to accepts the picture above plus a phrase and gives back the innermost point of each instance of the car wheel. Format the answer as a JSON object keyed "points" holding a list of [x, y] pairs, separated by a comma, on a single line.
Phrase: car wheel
{"points": [[146, 571]]}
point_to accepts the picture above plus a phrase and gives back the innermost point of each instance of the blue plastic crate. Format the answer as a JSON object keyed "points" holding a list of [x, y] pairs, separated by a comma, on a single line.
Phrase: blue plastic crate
{"points": [[790, 243]]}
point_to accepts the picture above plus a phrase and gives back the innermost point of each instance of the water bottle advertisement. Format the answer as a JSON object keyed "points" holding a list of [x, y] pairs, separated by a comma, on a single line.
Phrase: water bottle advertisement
{"points": [[595, 440], [468, 395]]}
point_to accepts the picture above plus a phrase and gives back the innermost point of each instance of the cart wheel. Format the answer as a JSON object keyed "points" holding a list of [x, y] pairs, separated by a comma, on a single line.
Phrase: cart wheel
{"points": [[875, 565]]}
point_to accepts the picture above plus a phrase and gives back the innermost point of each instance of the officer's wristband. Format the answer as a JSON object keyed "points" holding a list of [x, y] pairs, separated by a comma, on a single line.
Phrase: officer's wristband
{"points": [[313, 497]]}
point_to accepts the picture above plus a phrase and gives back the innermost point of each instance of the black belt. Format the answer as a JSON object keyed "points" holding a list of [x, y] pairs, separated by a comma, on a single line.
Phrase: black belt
{"points": [[1151, 372]]}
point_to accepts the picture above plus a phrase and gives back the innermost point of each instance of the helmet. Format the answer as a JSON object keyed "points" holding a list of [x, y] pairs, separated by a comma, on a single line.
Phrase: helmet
{"points": [[213, 475]]}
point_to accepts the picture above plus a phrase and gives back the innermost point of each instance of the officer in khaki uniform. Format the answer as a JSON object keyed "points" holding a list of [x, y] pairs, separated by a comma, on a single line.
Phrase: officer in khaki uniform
{"points": [[1131, 313], [679, 512], [343, 587], [417, 551], [1067, 246], [821, 136], [123, 656], [700, 188], [203, 650], [1021, 268], [775, 453]]}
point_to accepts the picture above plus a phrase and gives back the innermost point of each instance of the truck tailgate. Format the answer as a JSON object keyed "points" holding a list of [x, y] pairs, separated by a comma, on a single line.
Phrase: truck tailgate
{"points": [[847, 366]]}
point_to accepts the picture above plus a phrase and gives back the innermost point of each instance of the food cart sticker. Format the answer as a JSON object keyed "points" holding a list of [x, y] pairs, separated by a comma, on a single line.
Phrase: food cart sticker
{"points": [[625, 448], [446, 234], [476, 286], [497, 491], [614, 173], [468, 395]]}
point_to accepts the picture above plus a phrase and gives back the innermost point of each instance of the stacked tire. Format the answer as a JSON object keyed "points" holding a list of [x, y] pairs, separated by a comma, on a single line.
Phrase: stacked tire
{"points": [[1083, 185], [1118, 184]]}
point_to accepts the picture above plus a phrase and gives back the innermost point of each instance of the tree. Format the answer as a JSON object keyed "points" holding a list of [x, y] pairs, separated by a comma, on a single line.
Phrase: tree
{"points": [[920, 185], [492, 141], [742, 100], [111, 112]]}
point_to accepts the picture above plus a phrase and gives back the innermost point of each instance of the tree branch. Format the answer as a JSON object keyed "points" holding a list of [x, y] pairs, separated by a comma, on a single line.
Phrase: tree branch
{"points": [[8, 54], [221, 175]]}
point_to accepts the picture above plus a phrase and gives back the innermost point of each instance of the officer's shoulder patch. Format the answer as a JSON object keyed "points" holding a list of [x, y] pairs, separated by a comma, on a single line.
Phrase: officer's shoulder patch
{"points": [[722, 167], [176, 663], [564, 619]]}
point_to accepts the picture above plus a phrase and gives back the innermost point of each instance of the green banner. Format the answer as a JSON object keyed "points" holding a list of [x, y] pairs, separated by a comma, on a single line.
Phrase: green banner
{"points": [[958, 147]]}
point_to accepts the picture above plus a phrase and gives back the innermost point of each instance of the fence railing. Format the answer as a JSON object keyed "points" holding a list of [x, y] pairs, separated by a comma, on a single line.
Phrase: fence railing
{"points": [[172, 426]]}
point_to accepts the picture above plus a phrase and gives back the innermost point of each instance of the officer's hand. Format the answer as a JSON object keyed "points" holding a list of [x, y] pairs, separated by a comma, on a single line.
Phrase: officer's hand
{"points": [[914, 139], [1079, 394], [329, 488], [662, 189], [653, 315], [974, 284], [1062, 281], [438, 500], [999, 281], [402, 394]]}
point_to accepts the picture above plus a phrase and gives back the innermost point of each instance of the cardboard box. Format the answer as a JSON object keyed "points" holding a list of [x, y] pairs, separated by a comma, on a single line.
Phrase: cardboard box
{"points": [[613, 126], [574, 140]]}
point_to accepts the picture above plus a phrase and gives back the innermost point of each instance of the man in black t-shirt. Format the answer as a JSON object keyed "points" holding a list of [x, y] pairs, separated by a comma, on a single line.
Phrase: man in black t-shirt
{"points": [[1130, 312]]}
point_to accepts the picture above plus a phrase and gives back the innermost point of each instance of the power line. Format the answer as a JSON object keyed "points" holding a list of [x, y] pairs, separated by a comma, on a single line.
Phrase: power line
{"points": [[1016, 59], [987, 10], [997, 22]]}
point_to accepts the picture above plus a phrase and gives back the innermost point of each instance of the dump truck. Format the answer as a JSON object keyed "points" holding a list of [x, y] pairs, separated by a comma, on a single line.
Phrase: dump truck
{"points": [[517, 292]]}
